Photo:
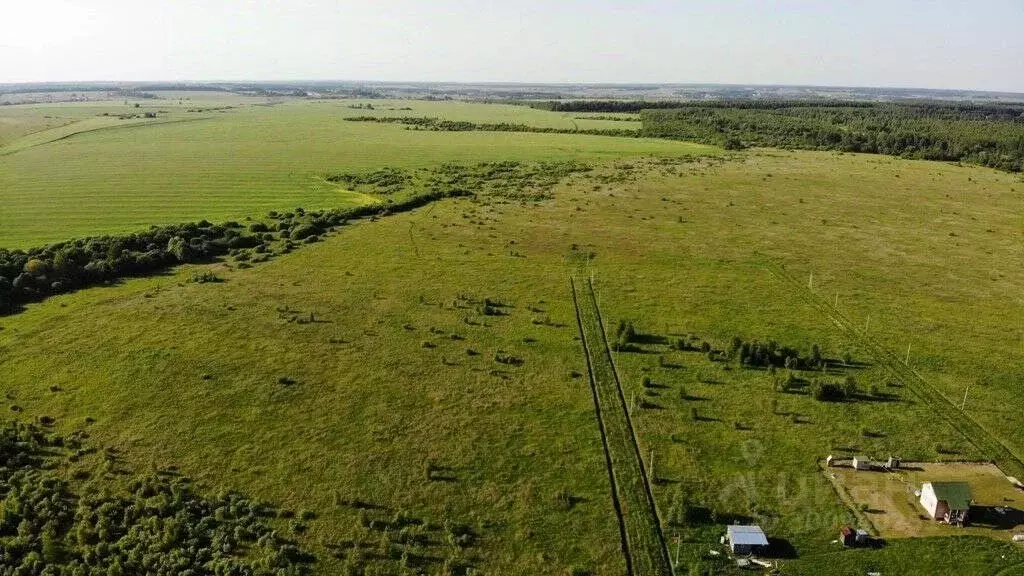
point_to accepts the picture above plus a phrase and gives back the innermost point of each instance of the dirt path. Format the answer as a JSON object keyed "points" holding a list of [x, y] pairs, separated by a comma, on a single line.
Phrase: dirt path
{"points": [[639, 526]]}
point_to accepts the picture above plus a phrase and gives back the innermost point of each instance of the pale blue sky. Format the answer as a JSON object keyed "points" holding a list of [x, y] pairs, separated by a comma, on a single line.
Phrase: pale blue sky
{"points": [[975, 44]]}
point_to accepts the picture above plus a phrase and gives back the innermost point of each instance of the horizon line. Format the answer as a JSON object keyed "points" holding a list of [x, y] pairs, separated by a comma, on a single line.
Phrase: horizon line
{"points": [[507, 83]]}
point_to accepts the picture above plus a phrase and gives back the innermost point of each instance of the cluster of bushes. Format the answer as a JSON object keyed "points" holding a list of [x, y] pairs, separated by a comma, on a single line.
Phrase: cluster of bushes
{"points": [[770, 353], [400, 543], [33, 274], [439, 125], [384, 181], [507, 179], [987, 134], [691, 343], [149, 525], [830, 391]]}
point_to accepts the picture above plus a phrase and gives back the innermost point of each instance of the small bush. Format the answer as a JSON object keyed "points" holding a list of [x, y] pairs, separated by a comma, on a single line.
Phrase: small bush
{"points": [[204, 277], [565, 500], [303, 231]]}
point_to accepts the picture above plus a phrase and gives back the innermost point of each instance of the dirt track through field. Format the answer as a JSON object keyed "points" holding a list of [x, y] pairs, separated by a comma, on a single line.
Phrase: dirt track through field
{"points": [[642, 539]]}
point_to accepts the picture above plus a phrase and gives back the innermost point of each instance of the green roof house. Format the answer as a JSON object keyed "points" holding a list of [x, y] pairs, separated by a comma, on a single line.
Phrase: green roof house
{"points": [[947, 501]]}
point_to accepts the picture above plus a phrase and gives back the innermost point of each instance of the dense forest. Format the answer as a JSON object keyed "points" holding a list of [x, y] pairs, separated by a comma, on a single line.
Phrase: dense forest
{"points": [[987, 134]]}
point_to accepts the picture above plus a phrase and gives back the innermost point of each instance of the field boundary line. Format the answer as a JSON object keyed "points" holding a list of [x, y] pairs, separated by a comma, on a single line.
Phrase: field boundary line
{"points": [[645, 541], [14, 151], [977, 435], [629, 420], [604, 436]]}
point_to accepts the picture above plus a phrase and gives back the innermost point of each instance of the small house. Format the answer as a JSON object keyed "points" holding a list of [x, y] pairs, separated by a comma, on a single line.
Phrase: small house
{"points": [[946, 501], [861, 463], [745, 540], [893, 463], [862, 537]]}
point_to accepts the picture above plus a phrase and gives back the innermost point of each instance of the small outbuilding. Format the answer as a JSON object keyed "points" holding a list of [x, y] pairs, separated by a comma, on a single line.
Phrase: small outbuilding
{"points": [[893, 463], [745, 540], [861, 463], [947, 501]]}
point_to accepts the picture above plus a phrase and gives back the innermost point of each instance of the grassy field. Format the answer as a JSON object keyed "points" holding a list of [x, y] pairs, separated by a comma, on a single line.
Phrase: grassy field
{"points": [[243, 161], [442, 376]]}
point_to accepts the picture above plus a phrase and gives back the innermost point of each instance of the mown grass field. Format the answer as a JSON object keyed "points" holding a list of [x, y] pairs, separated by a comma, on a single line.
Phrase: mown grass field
{"points": [[395, 395], [231, 163]]}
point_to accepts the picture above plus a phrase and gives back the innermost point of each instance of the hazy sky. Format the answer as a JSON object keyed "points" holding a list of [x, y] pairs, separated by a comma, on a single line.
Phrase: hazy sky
{"points": [[977, 44]]}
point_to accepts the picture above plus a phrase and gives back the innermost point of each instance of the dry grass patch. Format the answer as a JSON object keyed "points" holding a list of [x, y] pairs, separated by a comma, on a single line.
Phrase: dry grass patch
{"points": [[894, 509]]}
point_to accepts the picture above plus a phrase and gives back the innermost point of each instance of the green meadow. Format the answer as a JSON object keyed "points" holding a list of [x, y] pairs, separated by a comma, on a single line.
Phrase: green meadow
{"points": [[429, 363], [103, 175]]}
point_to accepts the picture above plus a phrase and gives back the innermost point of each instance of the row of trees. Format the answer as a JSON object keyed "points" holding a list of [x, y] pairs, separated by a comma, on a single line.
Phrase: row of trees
{"points": [[991, 135], [439, 125], [33, 274]]}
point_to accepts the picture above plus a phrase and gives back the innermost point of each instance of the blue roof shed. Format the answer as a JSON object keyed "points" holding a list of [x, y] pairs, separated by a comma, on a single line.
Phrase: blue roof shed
{"points": [[746, 539]]}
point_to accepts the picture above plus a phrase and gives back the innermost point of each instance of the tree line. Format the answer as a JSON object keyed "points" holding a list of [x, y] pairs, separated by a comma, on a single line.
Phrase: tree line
{"points": [[990, 135], [36, 273], [439, 125]]}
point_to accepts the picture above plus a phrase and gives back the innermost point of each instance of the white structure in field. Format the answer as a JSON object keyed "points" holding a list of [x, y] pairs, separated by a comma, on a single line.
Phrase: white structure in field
{"points": [[946, 501], [861, 463], [745, 540]]}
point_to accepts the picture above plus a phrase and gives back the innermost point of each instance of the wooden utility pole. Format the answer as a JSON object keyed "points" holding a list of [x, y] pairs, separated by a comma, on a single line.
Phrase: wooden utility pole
{"points": [[907, 361], [964, 404], [650, 467]]}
